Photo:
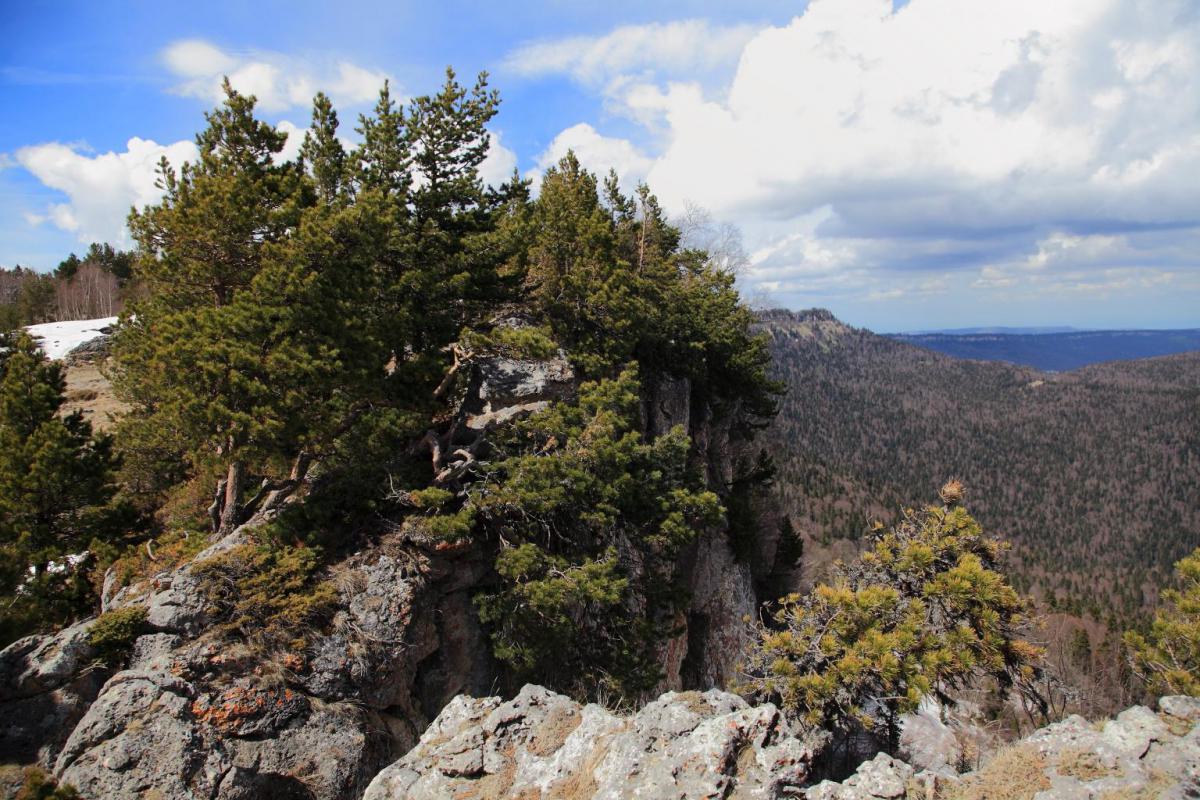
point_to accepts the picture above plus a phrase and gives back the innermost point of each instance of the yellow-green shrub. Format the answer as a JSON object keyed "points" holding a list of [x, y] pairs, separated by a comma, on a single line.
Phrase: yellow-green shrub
{"points": [[114, 632]]}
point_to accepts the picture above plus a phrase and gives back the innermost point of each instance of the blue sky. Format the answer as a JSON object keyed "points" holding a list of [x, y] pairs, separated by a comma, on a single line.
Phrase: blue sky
{"points": [[940, 163]]}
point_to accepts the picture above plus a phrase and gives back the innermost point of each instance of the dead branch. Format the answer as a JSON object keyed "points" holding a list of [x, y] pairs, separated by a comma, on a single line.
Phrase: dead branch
{"points": [[461, 357]]}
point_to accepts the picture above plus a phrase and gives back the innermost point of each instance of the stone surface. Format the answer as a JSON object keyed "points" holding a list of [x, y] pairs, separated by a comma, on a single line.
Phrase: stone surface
{"points": [[502, 388], [882, 776], [1134, 729], [95, 349], [541, 744], [927, 742], [154, 731], [46, 685], [1180, 706]]}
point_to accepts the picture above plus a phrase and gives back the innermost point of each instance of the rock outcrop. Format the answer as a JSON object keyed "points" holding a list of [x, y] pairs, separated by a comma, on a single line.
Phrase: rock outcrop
{"points": [[46, 686], [712, 744], [196, 713], [543, 745], [1139, 754]]}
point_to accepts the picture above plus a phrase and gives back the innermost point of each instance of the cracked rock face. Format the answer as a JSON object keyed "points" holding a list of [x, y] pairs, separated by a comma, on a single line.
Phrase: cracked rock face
{"points": [[194, 715], [155, 731], [1139, 754], [544, 745], [46, 685]]}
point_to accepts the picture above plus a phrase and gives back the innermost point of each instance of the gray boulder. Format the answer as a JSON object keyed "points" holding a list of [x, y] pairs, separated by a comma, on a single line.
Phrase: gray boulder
{"points": [[1133, 731], [94, 349], [927, 742], [1180, 707], [46, 685], [881, 778], [542, 744], [153, 731], [502, 388]]}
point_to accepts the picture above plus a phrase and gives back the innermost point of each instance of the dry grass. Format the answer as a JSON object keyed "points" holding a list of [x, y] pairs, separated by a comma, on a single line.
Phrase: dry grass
{"points": [[1084, 764], [1159, 783], [551, 734], [1177, 726], [1016, 773], [90, 392], [581, 783]]}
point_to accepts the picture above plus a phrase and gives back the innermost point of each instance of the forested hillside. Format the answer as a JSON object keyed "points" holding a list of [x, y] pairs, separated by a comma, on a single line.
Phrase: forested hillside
{"points": [[1094, 474]]}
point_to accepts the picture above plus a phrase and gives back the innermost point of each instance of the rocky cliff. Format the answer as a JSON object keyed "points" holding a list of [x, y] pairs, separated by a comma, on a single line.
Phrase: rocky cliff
{"points": [[711, 744], [193, 713]]}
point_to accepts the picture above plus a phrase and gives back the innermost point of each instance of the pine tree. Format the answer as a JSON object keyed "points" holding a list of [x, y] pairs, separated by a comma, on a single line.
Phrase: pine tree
{"points": [[923, 611], [592, 516], [249, 348], [55, 487], [1167, 657], [322, 152], [383, 160]]}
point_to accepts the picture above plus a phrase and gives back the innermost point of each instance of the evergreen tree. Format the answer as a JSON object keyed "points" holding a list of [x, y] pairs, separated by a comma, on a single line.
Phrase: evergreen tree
{"points": [[591, 517], [322, 152], [249, 348], [55, 487], [383, 160], [922, 612], [1167, 657]]}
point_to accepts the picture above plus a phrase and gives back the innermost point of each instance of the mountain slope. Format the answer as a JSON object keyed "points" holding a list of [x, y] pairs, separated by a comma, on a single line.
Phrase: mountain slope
{"points": [[1094, 475], [1058, 351]]}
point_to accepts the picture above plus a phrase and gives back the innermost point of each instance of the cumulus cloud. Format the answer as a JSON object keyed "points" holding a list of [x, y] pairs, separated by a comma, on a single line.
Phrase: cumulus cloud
{"points": [[100, 188], [498, 167], [596, 152], [995, 139], [279, 81], [685, 46]]}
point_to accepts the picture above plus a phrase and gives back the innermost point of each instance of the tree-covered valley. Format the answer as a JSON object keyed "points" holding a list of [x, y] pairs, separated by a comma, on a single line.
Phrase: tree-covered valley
{"points": [[1093, 475]]}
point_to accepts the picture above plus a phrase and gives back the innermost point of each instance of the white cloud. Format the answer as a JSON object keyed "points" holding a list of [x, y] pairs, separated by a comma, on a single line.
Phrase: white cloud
{"points": [[279, 81], [295, 139], [101, 188], [194, 58], [596, 152], [995, 139], [685, 46], [498, 167]]}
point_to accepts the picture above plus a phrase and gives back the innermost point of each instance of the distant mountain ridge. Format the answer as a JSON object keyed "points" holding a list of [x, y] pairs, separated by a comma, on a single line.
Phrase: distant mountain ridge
{"points": [[1017, 330], [1057, 351], [1093, 474]]}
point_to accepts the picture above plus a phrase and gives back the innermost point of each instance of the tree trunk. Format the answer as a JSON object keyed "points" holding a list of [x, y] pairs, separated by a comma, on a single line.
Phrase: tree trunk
{"points": [[231, 512], [218, 503]]}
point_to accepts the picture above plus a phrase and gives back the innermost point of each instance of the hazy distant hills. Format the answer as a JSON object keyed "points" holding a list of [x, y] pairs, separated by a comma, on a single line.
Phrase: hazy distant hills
{"points": [[1093, 474], [1055, 350]]}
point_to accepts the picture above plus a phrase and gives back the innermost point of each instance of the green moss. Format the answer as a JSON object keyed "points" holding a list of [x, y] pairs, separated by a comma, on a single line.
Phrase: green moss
{"points": [[37, 784], [114, 632], [268, 593]]}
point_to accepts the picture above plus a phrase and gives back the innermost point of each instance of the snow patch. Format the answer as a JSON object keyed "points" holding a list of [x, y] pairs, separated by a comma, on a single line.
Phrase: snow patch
{"points": [[59, 338]]}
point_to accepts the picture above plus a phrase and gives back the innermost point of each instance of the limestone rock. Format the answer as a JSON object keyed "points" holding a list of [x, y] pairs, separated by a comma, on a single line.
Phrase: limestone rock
{"points": [[926, 742], [153, 730], [1134, 730], [46, 685], [94, 349], [683, 745], [39, 664], [882, 777], [1181, 707], [501, 388]]}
